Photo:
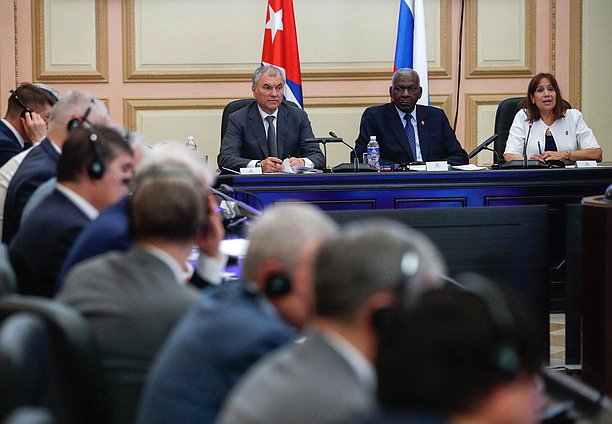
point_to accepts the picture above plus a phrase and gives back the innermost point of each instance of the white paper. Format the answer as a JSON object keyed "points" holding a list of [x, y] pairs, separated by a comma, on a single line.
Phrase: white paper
{"points": [[468, 167], [440, 165], [234, 247], [287, 168], [256, 170]]}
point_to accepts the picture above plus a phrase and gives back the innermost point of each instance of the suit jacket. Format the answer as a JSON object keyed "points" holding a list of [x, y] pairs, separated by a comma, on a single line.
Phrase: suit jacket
{"points": [[436, 137], [39, 249], [9, 144], [132, 302], [108, 232], [217, 341], [303, 383], [37, 167], [245, 138]]}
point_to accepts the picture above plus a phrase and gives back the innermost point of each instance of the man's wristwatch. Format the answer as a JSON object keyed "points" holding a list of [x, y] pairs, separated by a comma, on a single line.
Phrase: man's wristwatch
{"points": [[258, 164]]}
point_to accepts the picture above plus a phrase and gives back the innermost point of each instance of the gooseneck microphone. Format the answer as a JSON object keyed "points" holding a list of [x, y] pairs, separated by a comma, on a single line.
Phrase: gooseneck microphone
{"points": [[355, 158], [525, 144]]}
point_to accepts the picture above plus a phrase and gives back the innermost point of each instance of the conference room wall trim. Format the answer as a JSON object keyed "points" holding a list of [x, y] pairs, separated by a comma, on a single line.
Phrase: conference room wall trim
{"points": [[575, 54], [70, 41], [480, 112], [325, 51], [485, 59]]}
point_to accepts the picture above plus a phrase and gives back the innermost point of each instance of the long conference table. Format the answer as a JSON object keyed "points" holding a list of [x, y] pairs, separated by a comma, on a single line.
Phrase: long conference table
{"points": [[558, 189], [397, 190]]}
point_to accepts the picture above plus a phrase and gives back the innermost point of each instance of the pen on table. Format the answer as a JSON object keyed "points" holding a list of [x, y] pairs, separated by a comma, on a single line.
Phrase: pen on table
{"points": [[540, 148]]}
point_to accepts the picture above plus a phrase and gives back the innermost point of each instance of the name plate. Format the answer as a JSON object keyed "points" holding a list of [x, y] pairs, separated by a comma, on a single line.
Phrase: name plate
{"points": [[245, 171], [441, 165], [586, 164]]}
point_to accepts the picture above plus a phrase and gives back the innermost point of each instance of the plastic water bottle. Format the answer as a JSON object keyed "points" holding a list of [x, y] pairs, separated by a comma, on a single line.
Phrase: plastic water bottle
{"points": [[373, 152], [191, 145]]}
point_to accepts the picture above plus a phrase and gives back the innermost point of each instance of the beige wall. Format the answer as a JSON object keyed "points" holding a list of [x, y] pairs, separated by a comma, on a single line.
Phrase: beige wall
{"points": [[167, 68]]}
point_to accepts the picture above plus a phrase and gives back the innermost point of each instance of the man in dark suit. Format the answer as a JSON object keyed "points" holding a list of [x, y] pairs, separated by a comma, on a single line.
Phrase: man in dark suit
{"points": [[41, 162], [26, 118], [133, 299], [268, 131], [39, 248], [330, 378], [237, 323], [406, 133]]}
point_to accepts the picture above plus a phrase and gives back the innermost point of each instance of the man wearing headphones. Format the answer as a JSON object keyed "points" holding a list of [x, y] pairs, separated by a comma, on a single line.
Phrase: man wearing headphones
{"points": [[237, 323], [25, 122], [95, 170], [133, 299], [459, 356], [330, 377], [40, 164]]}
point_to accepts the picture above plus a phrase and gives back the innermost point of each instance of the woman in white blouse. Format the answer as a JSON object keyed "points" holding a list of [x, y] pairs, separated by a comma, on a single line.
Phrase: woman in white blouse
{"points": [[553, 131]]}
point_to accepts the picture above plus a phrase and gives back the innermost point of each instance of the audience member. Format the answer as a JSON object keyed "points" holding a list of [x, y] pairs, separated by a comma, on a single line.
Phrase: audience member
{"points": [[235, 324], [555, 131], [8, 169], [265, 133], [109, 231], [406, 133], [459, 356], [133, 299], [41, 162], [94, 171], [330, 377], [26, 119]]}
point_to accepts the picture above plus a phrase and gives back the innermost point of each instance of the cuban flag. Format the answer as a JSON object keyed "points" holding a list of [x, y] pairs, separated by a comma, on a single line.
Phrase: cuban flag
{"points": [[411, 47], [280, 47]]}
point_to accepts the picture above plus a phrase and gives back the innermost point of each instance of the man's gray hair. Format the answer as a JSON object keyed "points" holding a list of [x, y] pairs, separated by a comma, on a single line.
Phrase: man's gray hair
{"points": [[75, 103], [405, 72], [371, 256], [269, 70], [282, 233]]}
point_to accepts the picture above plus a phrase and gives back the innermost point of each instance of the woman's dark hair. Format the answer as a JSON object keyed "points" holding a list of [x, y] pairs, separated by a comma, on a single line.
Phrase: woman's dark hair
{"points": [[533, 113]]}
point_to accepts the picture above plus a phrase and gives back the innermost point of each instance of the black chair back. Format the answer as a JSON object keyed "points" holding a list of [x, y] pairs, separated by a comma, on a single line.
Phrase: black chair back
{"points": [[504, 116], [53, 359], [230, 108]]}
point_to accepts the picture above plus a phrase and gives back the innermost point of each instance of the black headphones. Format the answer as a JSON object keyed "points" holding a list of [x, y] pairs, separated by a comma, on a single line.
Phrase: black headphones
{"points": [[278, 284], [504, 356], [25, 108], [96, 168]]}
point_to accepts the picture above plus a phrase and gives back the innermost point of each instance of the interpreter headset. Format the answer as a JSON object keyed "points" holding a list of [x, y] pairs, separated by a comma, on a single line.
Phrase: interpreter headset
{"points": [[18, 100], [96, 168]]}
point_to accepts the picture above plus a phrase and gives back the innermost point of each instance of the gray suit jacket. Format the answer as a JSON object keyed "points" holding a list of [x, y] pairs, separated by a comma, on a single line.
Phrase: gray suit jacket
{"points": [[245, 138], [132, 301], [302, 383]]}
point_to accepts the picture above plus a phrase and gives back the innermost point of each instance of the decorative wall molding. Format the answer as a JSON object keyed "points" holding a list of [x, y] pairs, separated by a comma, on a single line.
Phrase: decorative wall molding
{"points": [[575, 52], [472, 103], [477, 66], [446, 43], [49, 72]]}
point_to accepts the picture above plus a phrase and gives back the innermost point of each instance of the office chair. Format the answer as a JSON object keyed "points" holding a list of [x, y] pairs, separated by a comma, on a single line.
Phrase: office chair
{"points": [[48, 358], [504, 116], [235, 105]]}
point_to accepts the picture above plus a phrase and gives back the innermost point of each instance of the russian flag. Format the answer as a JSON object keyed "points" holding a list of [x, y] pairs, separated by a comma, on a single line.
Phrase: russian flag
{"points": [[280, 47], [411, 46]]}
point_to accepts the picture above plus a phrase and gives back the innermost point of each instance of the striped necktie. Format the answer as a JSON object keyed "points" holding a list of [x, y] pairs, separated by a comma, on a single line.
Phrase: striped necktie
{"points": [[410, 133]]}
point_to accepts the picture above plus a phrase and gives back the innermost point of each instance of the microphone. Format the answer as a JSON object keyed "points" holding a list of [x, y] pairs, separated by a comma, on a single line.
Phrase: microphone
{"points": [[483, 146], [525, 145], [248, 211]]}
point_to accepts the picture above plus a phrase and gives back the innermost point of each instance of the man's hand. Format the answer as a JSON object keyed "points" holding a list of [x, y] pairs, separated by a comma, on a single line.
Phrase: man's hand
{"points": [[35, 127], [209, 241], [271, 164], [295, 162]]}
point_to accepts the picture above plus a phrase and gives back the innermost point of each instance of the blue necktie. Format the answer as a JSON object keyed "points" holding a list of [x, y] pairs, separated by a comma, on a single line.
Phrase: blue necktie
{"points": [[410, 134]]}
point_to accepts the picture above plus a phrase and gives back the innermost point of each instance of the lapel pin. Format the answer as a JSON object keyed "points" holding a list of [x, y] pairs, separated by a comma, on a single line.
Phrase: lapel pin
{"points": [[422, 122], [566, 132]]}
